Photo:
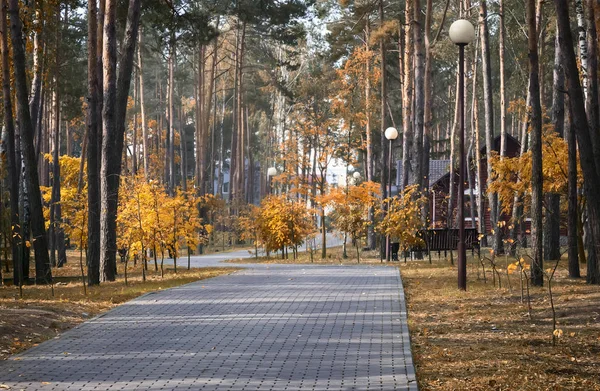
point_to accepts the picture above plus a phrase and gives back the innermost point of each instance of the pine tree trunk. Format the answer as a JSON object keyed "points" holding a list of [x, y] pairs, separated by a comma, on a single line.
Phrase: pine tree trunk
{"points": [[13, 159], [419, 94], [552, 222], [38, 53], [452, 190], [117, 137], [42, 260], [573, 212], [581, 127], [58, 236], [93, 151], [145, 145], [536, 151], [371, 239], [171, 111], [108, 196], [134, 152], [407, 97], [383, 112], [428, 106], [489, 122]]}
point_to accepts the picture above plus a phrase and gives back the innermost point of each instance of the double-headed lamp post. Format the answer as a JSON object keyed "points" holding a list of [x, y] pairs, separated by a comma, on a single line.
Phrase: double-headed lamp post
{"points": [[271, 172], [391, 134], [461, 33]]}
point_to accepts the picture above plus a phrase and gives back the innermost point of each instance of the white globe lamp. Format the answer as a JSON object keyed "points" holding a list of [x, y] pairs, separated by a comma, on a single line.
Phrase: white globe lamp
{"points": [[391, 133], [462, 32]]}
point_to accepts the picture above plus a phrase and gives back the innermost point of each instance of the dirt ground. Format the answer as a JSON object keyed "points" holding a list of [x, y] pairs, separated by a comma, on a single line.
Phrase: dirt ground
{"points": [[39, 316], [483, 339]]}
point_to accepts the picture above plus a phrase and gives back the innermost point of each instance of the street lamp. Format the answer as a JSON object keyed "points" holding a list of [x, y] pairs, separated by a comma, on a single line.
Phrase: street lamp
{"points": [[271, 172], [461, 33], [391, 134]]}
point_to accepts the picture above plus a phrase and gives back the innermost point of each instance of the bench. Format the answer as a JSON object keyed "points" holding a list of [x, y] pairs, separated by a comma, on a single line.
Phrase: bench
{"points": [[442, 239]]}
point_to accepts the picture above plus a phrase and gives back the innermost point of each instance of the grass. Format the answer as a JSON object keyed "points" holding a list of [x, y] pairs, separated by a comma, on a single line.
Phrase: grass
{"points": [[483, 339], [38, 316]]}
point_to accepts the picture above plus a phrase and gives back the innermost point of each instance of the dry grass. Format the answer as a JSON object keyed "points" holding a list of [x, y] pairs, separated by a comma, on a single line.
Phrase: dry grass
{"points": [[483, 339], [38, 316]]}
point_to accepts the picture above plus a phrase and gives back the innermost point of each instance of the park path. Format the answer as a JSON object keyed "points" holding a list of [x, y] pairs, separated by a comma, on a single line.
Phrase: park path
{"points": [[273, 327]]}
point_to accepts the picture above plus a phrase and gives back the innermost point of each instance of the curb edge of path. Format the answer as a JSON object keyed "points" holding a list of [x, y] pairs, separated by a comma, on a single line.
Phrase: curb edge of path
{"points": [[411, 370]]}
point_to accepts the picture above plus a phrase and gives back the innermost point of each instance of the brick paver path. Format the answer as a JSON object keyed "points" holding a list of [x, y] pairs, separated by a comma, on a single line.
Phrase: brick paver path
{"points": [[269, 328]]}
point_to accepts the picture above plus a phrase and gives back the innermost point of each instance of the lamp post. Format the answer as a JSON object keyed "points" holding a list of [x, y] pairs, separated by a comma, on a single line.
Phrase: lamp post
{"points": [[461, 33], [271, 172], [391, 134]]}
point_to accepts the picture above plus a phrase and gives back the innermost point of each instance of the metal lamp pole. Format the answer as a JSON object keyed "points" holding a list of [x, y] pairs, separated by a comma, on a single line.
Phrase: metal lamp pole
{"points": [[391, 134], [461, 33]]}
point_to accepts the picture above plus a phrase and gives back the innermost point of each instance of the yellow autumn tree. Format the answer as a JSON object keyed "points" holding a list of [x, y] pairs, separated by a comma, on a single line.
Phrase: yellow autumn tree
{"points": [[194, 232], [73, 202], [134, 220], [512, 176], [283, 223], [403, 219], [349, 210]]}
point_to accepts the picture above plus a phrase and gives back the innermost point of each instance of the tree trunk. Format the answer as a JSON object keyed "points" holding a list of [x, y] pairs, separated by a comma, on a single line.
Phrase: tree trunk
{"points": [[93, 152], [537, 276], [171, 111], [489, 122], [581, 127], [592, 82], [108, 196], [145, 145], [42, 261], [134, 152], [581, 38], [58, 236], [419, 94], [38, 54], [452, 190], [407, 96], [552, 223], [13, 174], [113, 126], [573, 212], [383, 120]]}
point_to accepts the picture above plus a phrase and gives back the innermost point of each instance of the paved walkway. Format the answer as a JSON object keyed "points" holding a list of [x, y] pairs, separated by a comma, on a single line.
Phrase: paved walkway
{"points": [[266, 328]]}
